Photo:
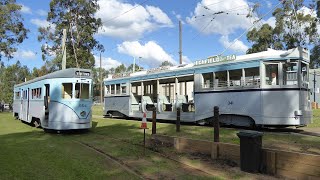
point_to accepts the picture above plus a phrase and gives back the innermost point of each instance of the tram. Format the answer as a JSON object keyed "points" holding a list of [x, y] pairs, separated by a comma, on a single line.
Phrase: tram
{"points": [[268, 88], [61, 100]]}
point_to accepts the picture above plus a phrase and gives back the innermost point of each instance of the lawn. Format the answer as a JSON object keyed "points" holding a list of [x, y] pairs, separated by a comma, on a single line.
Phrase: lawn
{"points": [[316, 119]]}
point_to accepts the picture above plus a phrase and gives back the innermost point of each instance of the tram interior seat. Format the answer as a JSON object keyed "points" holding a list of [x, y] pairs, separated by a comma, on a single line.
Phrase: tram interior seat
{"points": [[164, 103], [149, 105], [181, 99], [135, 102]]}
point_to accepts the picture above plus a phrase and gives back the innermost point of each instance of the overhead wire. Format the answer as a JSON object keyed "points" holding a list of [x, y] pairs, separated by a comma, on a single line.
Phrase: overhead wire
{"points": [[250, 28]]}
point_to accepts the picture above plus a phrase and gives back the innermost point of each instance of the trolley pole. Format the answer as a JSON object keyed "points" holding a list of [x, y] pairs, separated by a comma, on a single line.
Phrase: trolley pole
{"points": [[178, 120], [100, 73], [216, 123]]}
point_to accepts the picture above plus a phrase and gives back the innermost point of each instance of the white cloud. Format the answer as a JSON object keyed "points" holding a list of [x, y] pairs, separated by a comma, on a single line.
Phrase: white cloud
{"points": [[130, 22], [40, 22], [224, 23], [24, 54], [237, 46], [106, 63], [151, 53], [25, 9], [268, 3], [42, 12], [185, 60]]}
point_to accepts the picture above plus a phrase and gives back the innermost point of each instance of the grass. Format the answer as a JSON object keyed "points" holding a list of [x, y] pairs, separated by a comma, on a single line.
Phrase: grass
{"points": [[316, 119]]}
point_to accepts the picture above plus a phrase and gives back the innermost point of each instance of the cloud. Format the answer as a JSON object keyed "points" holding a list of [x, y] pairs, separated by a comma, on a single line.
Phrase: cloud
{"points": [[232, 18], [129, 22], [151, 53], [271, 21], [25, 9], [24, 54], [106, 62], [40, 22], [237, 46], [42, 12]]}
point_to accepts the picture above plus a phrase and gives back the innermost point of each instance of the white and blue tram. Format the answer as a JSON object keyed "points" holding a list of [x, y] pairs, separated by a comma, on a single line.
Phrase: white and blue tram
{"points": [[269, 88], [61, 100]]}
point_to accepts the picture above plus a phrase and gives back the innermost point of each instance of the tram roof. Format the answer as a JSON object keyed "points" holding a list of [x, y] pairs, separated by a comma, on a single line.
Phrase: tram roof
{"points": [[242, 61], [65, 73]]}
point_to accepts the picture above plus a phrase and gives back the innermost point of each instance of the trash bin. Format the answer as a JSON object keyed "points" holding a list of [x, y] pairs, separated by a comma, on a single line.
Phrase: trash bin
{"points": [[250, 150]]}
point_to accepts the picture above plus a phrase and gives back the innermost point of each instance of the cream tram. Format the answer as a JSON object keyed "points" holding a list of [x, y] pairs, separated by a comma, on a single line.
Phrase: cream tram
{"points": [[268, 88]]}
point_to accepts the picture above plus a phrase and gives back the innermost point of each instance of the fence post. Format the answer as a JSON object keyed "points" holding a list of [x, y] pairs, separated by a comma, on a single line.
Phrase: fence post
{"points": [[178, 120], [154, 121], [216, 123]]}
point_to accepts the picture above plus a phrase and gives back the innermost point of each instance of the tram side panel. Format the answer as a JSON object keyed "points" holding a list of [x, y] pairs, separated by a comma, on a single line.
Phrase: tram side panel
{"points": [[114, 104], [238, 108], [283, 107]]}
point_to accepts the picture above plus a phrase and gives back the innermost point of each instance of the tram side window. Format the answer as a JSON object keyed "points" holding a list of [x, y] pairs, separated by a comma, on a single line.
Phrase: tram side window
{"points": [[272, 77], [123, 89], [290, 73], [304, 72], [221, 79], [235, 77], [252, 76], [118, 91], [207, 80], [66, 90], [17, 95], [36, 93], [82, 91]]}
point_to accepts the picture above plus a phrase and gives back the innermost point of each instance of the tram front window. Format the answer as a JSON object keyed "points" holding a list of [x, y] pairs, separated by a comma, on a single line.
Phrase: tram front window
{"points": [[82, 91], [66, 90], [272, 77], [304, 72], [290, 73]]}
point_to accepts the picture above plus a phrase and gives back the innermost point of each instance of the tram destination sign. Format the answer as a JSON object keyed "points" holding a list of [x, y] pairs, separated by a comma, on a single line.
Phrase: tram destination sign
{"points": [[215, 59], [82, 73]]}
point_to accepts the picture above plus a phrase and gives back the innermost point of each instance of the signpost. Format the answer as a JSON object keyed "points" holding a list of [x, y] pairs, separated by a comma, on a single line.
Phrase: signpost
{"points": [[144, 127]]}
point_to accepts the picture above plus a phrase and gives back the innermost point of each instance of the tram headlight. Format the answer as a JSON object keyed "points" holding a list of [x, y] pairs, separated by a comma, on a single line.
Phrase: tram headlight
{"points": [[83, 114]]}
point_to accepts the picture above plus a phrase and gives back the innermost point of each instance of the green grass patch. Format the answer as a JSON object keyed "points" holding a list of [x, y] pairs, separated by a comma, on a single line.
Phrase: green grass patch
{"points": [[315, 119]]}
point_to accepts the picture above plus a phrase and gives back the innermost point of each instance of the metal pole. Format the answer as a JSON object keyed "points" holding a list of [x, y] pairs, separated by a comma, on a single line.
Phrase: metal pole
{"points": [[180, 42], [216, 123], [178, 120], [154, 121], [314, 86], [100, 80]]}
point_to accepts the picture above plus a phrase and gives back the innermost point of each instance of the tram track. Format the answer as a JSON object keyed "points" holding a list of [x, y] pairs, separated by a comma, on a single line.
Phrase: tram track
{"points": [[133, 170]]}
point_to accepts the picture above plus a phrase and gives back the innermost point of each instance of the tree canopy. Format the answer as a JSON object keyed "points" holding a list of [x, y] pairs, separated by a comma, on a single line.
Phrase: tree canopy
{"points": [[12, 30], [292, 29], [166, 63], [78, 18]]}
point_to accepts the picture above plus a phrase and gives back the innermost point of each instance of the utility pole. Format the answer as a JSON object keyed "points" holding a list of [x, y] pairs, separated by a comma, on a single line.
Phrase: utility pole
{"points": [[64, 49], [134, 65], [180, 42], [180, 51], [314, 86], [100, 72]]}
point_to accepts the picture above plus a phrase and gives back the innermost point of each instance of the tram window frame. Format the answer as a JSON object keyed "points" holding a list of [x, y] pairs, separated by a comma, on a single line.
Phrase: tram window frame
{"points": [[82, 92], [234, 78], [218, 83], [207, 80], [304, 78], [69, 92], [269, 73], [252, 76], [17, 95], [294, 69]]}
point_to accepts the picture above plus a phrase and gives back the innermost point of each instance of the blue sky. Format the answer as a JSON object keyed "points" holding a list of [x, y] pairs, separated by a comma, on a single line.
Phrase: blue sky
{"points": [[150, 29]]}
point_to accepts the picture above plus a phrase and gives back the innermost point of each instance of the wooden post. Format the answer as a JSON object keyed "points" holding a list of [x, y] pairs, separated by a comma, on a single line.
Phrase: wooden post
{"points": [[154, 121], [216, 123], [178, 120]]}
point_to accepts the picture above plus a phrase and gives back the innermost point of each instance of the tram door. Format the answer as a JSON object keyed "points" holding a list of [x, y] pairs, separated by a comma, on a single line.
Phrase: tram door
{"points": [[25, 104], [21, 104], [46, 104]]}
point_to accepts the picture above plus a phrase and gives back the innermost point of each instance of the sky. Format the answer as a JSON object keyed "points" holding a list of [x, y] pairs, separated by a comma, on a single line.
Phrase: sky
{"points": [[148, 30]]}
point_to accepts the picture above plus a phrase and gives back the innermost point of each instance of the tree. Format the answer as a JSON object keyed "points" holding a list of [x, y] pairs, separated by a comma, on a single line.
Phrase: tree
{"points": [[315, 57], [120, 69], [78, 17], [137, 68], [97, 80], [292, 29], [12, 30], [11, 75], [166, 63]]}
